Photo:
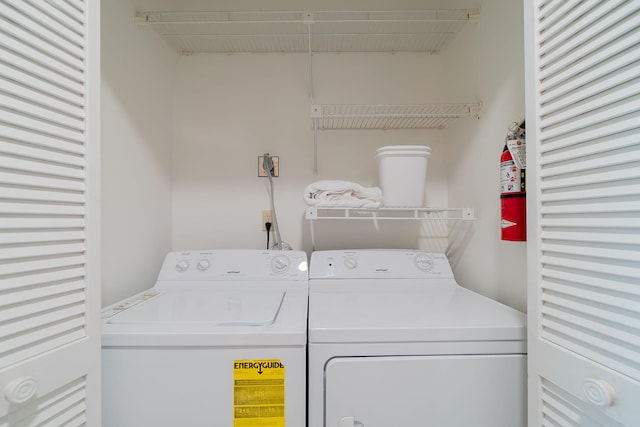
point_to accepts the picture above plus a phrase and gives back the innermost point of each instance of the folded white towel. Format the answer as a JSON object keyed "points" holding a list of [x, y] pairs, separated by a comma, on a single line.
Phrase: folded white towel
{"points": [[344, 194]]}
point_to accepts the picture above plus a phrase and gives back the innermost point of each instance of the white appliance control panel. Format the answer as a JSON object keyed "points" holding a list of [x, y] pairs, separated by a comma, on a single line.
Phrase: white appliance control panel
{"points": [[241, 264], [379, 263]]}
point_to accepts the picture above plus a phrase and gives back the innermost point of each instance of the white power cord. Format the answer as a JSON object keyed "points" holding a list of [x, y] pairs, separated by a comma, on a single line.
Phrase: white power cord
{"points": [[267, 165]]}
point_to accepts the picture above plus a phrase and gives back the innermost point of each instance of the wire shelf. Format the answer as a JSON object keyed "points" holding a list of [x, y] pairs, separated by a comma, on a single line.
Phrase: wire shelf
{"points": [[448, 224], [403, 214], [303, 31], [425, 116]]}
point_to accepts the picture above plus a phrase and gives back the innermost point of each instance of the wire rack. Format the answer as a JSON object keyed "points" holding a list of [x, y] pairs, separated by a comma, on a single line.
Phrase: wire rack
{"points": [[303, 31], [425, 116], [449, 224]]}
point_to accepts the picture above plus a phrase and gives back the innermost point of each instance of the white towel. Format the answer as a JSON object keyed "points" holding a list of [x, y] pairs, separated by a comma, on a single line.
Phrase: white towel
{"points": [[342, 194]]}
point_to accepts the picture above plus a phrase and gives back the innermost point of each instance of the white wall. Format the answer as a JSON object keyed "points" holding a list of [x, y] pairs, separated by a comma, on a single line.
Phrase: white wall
{"points": [[229, 109], [486, 62], [137, 79]]}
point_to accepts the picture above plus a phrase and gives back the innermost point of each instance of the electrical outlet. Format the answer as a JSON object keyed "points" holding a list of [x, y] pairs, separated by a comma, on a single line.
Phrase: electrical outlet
{"points": [[267, 216], [276, 166]]}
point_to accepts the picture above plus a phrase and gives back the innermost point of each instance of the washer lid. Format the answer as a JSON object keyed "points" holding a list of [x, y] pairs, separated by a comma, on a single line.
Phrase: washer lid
{"points": [[408, 311], [208, 317], [222, 307]]}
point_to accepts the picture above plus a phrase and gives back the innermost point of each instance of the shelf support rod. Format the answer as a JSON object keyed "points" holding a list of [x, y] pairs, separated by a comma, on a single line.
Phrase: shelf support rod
{"points": [[309, 20], [315, 148]]}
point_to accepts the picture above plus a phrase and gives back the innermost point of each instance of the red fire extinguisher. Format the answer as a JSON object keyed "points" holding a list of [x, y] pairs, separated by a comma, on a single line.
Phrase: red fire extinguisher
{"points": [[513, 196]]}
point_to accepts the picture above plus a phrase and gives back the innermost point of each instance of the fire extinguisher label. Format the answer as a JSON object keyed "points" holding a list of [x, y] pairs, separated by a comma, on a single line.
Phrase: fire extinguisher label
{"points": [[510, 177], [517, 149]]}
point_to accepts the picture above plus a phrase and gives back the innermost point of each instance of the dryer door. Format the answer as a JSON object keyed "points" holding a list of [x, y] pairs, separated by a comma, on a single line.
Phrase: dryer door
{"points": [[443, 391]]}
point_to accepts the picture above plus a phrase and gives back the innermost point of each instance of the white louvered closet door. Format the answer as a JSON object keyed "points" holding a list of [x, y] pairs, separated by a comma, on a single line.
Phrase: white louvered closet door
{"points": [[583, 134], [49, 223]]}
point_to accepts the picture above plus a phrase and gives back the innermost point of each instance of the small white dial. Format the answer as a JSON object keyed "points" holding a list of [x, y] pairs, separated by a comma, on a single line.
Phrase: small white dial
{"points": [[182, 265], [203, 264], [350, 262], [280, 264], [424, 261]]}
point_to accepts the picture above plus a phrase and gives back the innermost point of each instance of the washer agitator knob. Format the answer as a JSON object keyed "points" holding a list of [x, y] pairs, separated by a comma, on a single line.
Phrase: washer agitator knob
{"points": [[280, 264], [203, 265], [424, 261], [182, 266], [350, 262]]}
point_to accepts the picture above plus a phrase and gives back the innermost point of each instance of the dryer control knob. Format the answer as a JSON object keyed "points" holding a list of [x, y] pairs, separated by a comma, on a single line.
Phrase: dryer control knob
{"points": [[350, 262], [203, 265], [424, 261], [182, 266], [280, 264]]}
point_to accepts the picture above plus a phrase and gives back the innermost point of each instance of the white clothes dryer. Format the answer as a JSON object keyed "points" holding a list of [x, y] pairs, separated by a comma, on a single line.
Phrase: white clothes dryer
{"points": [[395, 341], [220, 340]]}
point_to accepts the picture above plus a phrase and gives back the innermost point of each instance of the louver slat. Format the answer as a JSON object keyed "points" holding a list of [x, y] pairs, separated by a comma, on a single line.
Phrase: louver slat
{"points": [[40, 167], [35, 195], [42, 250], [41, 127], [30, 150], [44, 279], [71, 318], [28, 266], [45, 114], [47, 102], [46, 340], [67, 75], [589, 266], [581, 52], [26, 137], [606, 144], [40, 80], [589, 235], [47, 23], [576, 19], [577, 102], [40, 209]]}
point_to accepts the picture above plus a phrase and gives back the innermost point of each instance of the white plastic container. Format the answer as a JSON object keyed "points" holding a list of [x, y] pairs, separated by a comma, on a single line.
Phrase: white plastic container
{"points": [[402, 172]]}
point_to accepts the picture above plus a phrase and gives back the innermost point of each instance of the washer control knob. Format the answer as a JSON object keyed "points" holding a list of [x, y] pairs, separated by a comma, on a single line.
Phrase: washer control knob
{"points": [[20, 390], [182, 266], [280, 264], [203, 265], [424, 261], [350, 262]]}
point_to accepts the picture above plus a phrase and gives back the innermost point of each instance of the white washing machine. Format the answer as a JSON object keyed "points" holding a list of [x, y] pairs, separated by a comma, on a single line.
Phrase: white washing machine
{"points": [[394, 341], [220, 340]]}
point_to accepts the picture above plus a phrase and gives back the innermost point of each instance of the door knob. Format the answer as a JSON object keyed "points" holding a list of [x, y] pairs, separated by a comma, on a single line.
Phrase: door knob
{"points": [[599, 392], [347, 422], [350, 422], [20, 390]]}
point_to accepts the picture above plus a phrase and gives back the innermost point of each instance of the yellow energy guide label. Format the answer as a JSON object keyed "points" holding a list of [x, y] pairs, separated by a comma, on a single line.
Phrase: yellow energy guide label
{"points": [[258, 393]]}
